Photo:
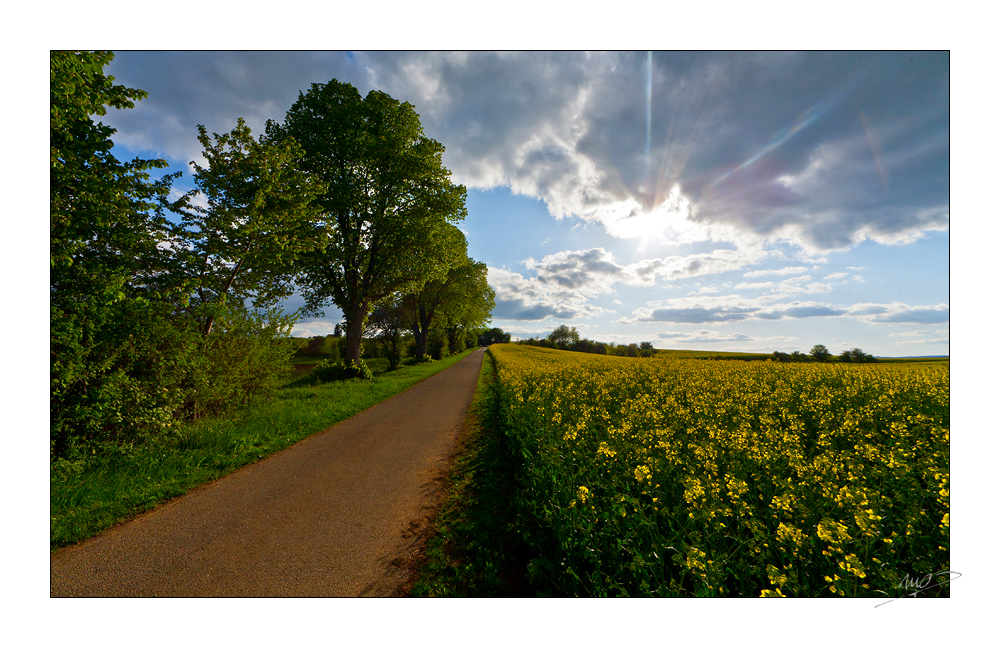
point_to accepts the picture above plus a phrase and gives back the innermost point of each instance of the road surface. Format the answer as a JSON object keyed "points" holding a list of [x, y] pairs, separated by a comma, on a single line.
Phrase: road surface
{"points": [[341, 513]]}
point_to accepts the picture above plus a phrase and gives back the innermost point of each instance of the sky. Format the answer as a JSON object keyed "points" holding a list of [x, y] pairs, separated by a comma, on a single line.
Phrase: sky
{"points": [[730, 201]]}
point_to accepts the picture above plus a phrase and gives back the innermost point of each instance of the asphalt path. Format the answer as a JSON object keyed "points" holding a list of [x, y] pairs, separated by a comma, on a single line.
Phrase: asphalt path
{"points": [[341, 513]]}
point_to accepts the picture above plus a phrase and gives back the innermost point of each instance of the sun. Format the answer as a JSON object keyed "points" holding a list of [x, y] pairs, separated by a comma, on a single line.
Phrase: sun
{"points": [[650, 226]]}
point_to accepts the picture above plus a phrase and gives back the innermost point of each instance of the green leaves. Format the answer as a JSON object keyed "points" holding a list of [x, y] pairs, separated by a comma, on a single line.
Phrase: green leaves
{"points": [[260, 217], [387, 203]]}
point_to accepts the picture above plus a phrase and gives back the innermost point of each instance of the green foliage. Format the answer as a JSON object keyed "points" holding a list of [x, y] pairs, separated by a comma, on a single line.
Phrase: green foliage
{"points": [[820, 353], [493, 335], [387, 202], [330, 371], [563, 337], [794, 356], [104, 229], [134, 297], [437, 345], [856, 355], [260, 218], [245, 360], [460, 301], [387, 323]]}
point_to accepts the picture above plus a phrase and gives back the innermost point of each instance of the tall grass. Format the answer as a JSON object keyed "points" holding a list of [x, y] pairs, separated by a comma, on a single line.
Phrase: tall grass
{"points": [[472, 550]]}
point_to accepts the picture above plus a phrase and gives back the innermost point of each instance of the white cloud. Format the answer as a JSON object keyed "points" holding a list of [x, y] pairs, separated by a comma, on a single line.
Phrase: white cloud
{"points": [[924, 341], [760, 285], [834, 276], [520, 298], [593, 271], [782, 271], [909, 334], [565, 281], [707, 335], [313, 328], [733, 308]]}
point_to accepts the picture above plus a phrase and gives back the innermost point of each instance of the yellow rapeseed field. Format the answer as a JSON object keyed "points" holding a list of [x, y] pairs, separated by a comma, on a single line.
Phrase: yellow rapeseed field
{"points": [[726, 478]]}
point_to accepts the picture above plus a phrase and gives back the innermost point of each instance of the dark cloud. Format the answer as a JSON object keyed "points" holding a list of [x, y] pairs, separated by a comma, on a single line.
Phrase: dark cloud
{"points": [[819, 148], [869, 159], [813, 311]]}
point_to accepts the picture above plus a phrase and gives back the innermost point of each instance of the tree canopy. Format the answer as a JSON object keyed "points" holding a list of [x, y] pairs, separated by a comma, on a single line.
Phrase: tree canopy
{"points": [[130, 355], [461, 300], [104, 231], [387, 202], [260, 218]]}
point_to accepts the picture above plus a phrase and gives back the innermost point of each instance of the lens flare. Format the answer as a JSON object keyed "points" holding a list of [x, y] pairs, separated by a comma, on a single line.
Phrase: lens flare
{"points": [[873, 144], [649, 108], [785, 133]]}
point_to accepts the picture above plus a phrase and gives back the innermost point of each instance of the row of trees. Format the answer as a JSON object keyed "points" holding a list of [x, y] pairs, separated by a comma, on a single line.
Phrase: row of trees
{"points": [[568, 339], [493, 335], [157, 318], [819, 353]]}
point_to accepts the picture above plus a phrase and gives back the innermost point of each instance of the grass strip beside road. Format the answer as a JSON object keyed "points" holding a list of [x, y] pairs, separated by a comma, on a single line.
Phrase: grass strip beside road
{"points": [[471, 550], [90, 494]]}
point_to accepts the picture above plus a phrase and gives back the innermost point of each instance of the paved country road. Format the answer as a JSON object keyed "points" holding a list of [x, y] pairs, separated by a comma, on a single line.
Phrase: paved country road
{"points": [[338, 514]]}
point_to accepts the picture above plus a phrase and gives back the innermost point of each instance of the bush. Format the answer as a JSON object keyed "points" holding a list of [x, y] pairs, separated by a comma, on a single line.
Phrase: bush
{"points": [[246, 359], [329, 371], [856, 355], [436, 345]]}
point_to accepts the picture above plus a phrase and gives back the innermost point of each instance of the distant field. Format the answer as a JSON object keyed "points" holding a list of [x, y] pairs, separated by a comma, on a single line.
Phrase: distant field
{"points": [[927, 362], [709, 355]]}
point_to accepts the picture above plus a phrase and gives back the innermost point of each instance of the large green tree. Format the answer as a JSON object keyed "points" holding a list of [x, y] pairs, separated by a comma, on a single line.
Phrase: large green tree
{"points": [[260, 217], [388, 200]]}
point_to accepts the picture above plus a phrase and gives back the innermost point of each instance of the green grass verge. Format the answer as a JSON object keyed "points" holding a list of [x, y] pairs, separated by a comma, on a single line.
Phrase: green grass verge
{"points": [[90, 494], [471, 550]]}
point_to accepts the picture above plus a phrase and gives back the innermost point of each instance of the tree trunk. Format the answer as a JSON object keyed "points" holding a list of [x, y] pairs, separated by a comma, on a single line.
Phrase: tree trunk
{"points": [[420, 329], [355, 317]]}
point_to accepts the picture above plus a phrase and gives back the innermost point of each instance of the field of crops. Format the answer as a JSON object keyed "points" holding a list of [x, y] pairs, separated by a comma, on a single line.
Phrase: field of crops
{"points": [[692, 477]]}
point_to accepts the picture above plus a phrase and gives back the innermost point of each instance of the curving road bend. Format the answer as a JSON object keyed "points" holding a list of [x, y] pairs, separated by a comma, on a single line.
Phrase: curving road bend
{"points": [[340, 513]]}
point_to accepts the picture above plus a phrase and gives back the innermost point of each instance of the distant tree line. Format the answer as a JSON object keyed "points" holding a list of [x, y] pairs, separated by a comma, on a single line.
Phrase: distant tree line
{"points": [[166, 309], [568, 339], [820, 353], [493, 336]]}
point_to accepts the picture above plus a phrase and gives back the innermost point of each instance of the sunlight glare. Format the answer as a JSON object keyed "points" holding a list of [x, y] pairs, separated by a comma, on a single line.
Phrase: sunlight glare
{"points": [[651, 225]]}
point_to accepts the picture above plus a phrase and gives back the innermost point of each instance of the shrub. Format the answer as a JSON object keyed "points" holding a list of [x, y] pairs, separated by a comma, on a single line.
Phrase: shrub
{"points": [[436, 348], [329, 371]]}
